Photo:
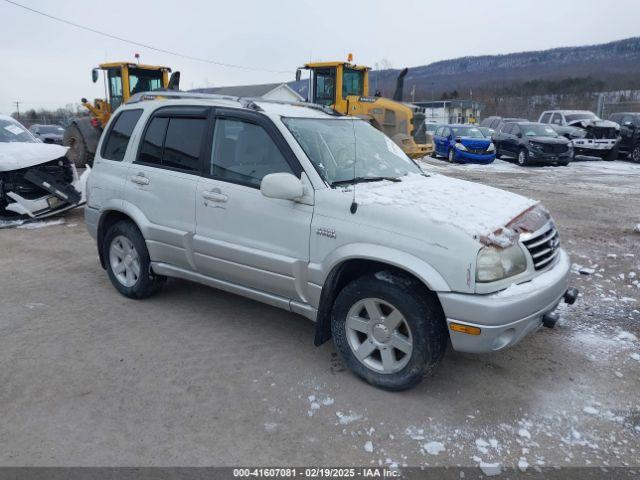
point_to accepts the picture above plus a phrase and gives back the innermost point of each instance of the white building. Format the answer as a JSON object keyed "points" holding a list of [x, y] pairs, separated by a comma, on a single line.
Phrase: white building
{"points": [[452, 111], [268, 91]]}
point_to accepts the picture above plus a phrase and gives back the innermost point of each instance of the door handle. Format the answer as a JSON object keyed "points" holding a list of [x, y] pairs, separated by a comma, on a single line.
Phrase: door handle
{"points": [[140, 179], [215, 196]]}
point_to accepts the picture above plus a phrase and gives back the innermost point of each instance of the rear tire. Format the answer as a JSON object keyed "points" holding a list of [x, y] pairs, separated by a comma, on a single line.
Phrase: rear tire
{"points": [[77, 152], [128, 262], [635, 153], [400, 342]]}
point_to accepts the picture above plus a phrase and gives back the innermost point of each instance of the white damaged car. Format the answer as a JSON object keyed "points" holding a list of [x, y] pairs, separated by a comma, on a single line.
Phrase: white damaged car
{"points": [[37, 180]]}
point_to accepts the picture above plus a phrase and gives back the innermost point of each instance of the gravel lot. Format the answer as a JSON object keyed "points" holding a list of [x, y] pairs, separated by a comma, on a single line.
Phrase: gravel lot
{"points": [[195, 376]]}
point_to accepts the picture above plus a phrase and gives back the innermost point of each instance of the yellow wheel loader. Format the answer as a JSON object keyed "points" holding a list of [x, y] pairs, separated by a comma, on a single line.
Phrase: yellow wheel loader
{"points": [[122, 79], [345, 88]]}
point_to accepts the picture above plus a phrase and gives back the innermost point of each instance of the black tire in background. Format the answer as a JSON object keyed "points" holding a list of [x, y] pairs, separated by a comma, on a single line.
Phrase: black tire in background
{"points": [[612, 155], [423, 316], [147, 283], [78, 152], [523, 157], [635, 153]]}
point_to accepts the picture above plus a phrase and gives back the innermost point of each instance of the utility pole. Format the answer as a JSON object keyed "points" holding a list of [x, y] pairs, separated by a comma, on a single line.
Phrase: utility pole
{"points": [[18, 106]]}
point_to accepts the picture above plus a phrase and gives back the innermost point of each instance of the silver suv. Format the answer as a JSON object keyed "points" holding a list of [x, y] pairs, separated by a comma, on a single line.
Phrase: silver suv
{"points": [[322, 215]]}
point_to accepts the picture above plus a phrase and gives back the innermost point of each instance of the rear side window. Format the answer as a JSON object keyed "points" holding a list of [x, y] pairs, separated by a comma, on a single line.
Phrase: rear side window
{"points": [[151, 150], [507, 128], [183, 142], [556, 119], [173, 142], [545, 117], [117, 140]]}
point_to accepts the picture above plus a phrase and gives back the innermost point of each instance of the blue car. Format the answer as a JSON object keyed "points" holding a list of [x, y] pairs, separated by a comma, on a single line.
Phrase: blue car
{"points": [[463, 143]]}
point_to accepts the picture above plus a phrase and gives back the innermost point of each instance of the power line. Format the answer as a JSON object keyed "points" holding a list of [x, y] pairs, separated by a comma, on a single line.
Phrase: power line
{"points": [[143, 45]]}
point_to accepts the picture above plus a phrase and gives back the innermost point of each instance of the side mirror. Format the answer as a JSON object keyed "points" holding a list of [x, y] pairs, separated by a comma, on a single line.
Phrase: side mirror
{"points": [[519, 134], [628, 125], [458, 139], [298, 75], [94, 75], [284, 186]]}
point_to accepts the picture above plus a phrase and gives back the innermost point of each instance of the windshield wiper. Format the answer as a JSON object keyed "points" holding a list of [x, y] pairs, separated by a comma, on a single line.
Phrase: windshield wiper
{"points": [[364, 179]]}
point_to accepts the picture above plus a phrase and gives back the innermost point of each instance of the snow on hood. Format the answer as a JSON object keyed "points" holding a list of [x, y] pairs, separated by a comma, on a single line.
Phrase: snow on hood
{"points": [[16, 155], [478, 210], [584, 123]]}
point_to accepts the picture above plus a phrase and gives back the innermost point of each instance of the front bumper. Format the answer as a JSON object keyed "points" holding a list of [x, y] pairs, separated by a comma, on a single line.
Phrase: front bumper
{"points": [[52, 203], [549, 157], [503, 319], [468, 157], [593, 147]]}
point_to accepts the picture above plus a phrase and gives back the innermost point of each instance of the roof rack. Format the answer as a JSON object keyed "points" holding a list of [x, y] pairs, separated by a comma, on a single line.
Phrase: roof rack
{"points": [[246, 102]]}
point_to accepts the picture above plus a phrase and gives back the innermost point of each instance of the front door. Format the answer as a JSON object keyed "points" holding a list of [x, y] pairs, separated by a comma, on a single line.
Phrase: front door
{"points": [[242, 236]]}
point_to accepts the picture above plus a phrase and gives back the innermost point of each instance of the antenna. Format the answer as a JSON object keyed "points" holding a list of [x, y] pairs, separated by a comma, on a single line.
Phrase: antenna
{"points": [[354, 205]]}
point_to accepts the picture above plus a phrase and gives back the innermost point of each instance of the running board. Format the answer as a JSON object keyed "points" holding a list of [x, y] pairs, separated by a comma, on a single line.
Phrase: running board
{"points": [[258, 295]]}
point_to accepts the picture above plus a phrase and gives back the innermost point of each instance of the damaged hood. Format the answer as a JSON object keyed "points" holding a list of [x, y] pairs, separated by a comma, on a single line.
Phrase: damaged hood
{"points": [[17, 155], [585, 123], [479, 211]]}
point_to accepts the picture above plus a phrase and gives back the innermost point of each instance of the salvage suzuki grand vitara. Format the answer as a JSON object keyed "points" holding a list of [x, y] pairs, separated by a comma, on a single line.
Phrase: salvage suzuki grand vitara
{"points": [[325, 216]]}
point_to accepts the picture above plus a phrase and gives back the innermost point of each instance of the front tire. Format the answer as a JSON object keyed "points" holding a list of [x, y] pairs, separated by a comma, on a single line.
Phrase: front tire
{"points": [[388, 330], [523, 157], [128, 262], [635, 153], [451, 156]]}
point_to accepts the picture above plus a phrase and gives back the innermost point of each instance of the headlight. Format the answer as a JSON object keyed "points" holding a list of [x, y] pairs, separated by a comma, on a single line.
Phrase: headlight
{"points": [[491, 147], [495, 263], [460, 146]]}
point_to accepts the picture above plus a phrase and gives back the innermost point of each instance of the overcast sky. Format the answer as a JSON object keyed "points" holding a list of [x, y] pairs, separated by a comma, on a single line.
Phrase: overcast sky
{"points": [[47, 64]]}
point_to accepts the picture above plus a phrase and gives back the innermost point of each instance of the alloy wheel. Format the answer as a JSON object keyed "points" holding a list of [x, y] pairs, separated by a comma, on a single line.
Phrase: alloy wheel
{"points": [[379, 335], [124, 261]]}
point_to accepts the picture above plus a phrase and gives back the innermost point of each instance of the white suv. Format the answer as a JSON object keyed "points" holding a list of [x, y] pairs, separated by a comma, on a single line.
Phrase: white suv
{"points": [[322, 215]]}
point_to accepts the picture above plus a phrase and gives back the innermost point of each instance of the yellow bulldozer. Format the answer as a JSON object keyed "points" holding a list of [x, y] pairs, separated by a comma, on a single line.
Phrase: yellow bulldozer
{"points": [[344, 87], [122, 79]]}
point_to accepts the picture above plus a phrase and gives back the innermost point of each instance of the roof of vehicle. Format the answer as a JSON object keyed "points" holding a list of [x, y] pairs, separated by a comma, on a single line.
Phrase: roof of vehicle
{"points": [[569, 111], [281, 108], [635, 114]]}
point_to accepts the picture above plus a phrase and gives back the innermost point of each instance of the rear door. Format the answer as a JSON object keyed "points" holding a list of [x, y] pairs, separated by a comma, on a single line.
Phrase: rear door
{"points": [[242, 236], [161, 182]]}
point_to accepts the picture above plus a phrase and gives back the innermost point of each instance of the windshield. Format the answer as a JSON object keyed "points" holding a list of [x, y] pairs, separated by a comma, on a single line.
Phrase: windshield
{"points": [[12, 131], [573, 117], [533, 130], [470, 132], [51, 129], [333, 144], [486, 131]]}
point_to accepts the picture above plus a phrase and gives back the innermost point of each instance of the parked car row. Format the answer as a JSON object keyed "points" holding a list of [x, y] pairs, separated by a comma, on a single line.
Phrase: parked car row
{"points": [[555, 139]]}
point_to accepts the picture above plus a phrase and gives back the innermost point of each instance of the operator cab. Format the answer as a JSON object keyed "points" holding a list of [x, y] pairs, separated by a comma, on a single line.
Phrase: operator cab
{"points": [[328, 78], [126, 79]]}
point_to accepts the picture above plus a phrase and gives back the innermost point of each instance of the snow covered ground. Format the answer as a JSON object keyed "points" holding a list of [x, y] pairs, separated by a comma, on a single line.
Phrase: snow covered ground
{"points": [[196, 376]]}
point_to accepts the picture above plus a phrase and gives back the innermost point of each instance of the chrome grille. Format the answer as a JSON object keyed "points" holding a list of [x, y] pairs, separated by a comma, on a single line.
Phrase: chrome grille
{"points": [[543, 245]]}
